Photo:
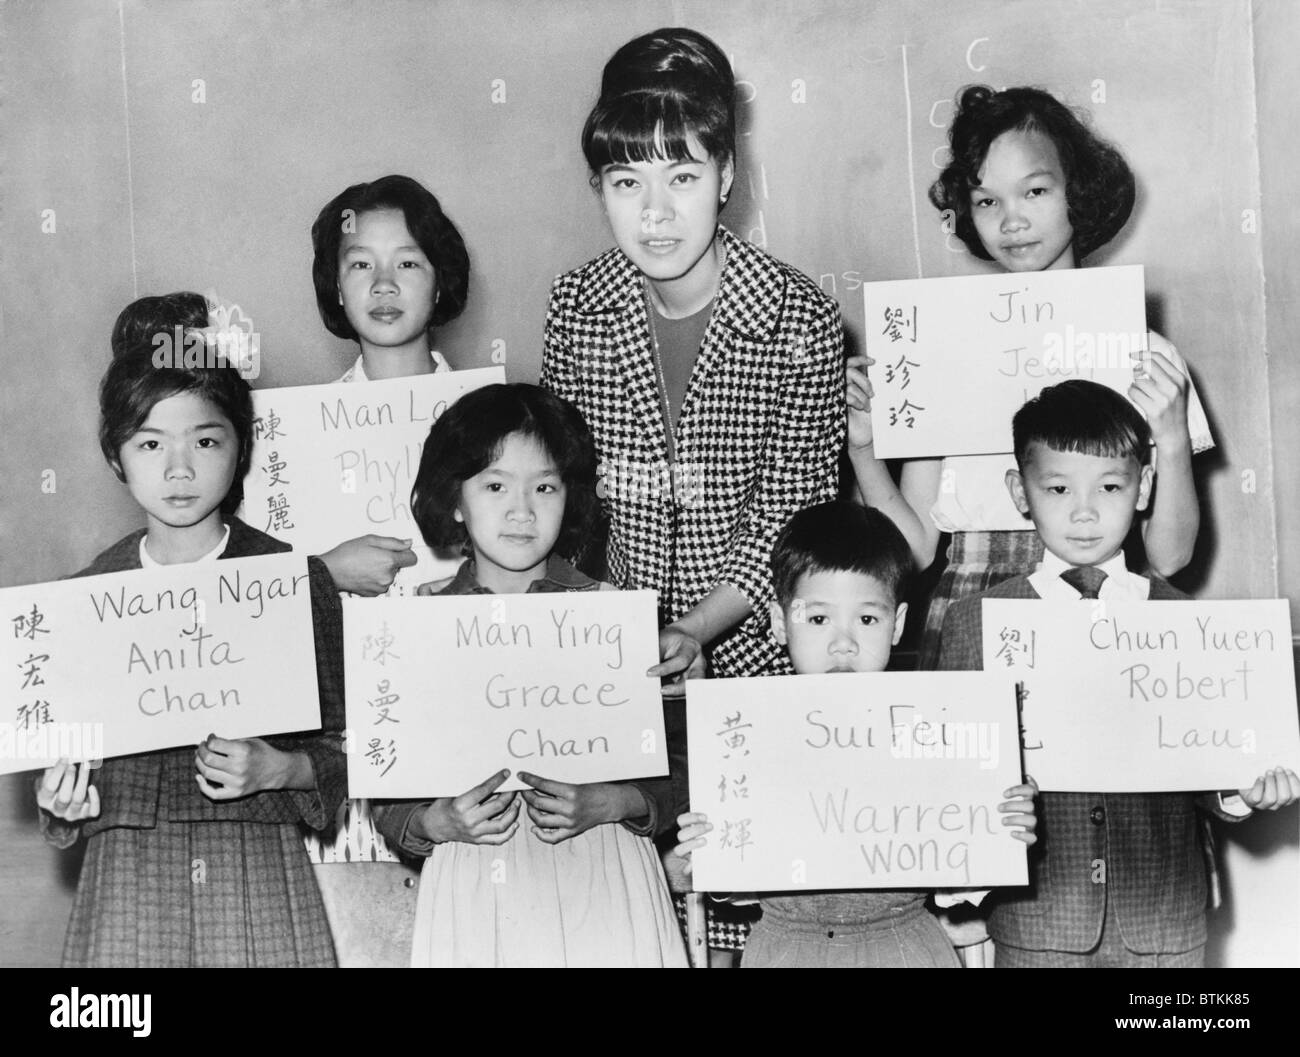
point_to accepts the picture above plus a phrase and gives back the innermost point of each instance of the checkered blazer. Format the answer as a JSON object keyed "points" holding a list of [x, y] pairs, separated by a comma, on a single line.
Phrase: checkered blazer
{"points": [[759, 434], [135, 791], [1150, 843]]}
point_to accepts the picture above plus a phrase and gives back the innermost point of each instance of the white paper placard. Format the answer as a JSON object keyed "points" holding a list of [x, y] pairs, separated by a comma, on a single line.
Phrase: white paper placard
{"points": [[442, 692], [881, 780], [955, 358], [335, 462], [129, 662], [1134, 697]]}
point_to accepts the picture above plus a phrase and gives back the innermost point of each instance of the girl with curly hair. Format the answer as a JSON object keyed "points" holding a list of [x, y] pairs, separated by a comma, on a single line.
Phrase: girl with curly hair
{"points": [[1031, 188]]}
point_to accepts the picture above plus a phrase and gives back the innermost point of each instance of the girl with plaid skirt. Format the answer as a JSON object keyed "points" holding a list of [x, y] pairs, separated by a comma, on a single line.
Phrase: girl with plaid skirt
{"points": [[709, 372], [195, 857], [1031, 188]]}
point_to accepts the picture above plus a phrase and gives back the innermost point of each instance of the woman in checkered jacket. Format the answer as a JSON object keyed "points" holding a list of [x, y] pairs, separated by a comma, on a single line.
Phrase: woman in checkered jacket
{"points": [[710, 373]]}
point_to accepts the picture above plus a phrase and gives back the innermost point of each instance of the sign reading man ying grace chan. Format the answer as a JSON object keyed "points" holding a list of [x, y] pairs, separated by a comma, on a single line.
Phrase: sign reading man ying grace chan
{"points": [[883, 780], [955, 358], [150, 659], [335, 462], [1132, 697], [443, 692]]}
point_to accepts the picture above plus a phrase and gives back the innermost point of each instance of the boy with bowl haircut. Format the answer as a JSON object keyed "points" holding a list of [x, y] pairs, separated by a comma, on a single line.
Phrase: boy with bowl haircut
{"points": [[1118, 880], [840, 572]]}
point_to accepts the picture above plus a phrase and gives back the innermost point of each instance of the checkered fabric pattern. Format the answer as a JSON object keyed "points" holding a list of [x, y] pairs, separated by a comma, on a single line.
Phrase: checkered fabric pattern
{"points": [[171, 878], [759, 435], [976, 561], [1150, 843]]}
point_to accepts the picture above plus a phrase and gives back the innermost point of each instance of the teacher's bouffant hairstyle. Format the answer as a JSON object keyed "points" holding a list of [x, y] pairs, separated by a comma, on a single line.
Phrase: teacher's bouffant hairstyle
{"points": [[431, 228], [657, 91], [840, 537], [134, 383], [1100, 189], [469, 435], [1085, 417]]}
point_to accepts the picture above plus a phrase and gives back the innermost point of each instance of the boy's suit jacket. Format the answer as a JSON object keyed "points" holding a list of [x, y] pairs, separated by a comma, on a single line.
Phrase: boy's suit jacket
{"points": [[135, 791], [1146, 846]]}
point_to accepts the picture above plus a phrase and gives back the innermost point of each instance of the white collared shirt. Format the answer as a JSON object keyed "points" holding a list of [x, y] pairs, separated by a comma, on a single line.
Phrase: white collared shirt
{"points": [[1120, 585], [357, 372], [147, 561], [974, 496]]}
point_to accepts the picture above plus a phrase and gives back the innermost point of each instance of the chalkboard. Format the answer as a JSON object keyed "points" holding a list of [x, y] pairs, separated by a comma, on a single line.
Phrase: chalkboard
{"points": [[151, 146]]}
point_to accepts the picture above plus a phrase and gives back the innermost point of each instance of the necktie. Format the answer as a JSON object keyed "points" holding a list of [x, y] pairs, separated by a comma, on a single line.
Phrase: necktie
{"points": [[1086, 579]]}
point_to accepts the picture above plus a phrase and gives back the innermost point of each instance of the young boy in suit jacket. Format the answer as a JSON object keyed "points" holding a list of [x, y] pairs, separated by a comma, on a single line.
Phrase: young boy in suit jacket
{"points": [[1116, 880]]}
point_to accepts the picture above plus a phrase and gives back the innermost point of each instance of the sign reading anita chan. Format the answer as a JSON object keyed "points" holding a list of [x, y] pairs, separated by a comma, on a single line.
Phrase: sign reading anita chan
{"points": [[129, 662]]}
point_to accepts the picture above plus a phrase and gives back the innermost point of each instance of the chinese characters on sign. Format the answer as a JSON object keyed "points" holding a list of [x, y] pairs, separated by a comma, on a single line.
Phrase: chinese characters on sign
{"points": [[267, 428], [899, 325], [33, 708], [733, 784]]}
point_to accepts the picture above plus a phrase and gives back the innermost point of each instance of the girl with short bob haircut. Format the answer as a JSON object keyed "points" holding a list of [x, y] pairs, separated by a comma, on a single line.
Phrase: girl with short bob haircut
{"points": [[429, 228], [1031, 188], [508, 472], [389, 267], [180, 439]]}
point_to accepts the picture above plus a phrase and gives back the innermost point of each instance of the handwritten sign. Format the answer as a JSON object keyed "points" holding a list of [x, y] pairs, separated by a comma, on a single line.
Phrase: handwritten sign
{"points": [[130, 662], [956, 358], [444, 691], [1137, 697], [335, 462], [887, 780]]}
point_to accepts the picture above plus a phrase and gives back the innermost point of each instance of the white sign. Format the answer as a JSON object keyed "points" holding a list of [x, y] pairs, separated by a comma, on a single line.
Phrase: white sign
{"points": [[882, 780], [129, 662], [956, 358], [442, 692], [335, 462], [1140, 697]]}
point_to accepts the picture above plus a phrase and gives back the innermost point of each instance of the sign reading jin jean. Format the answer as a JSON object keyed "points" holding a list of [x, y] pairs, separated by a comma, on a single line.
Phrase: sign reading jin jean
{"points": [[883, 780], [443, 692], [335, 462], [1146, 697], [151, 659], [956, 358]]}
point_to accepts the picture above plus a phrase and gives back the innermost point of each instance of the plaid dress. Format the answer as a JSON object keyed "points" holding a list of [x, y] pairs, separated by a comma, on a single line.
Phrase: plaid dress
{"points": [[173, 879]]}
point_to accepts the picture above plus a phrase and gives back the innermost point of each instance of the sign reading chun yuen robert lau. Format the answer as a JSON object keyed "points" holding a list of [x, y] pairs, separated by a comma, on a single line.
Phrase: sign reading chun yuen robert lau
{"points": [[1143, 697]]}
